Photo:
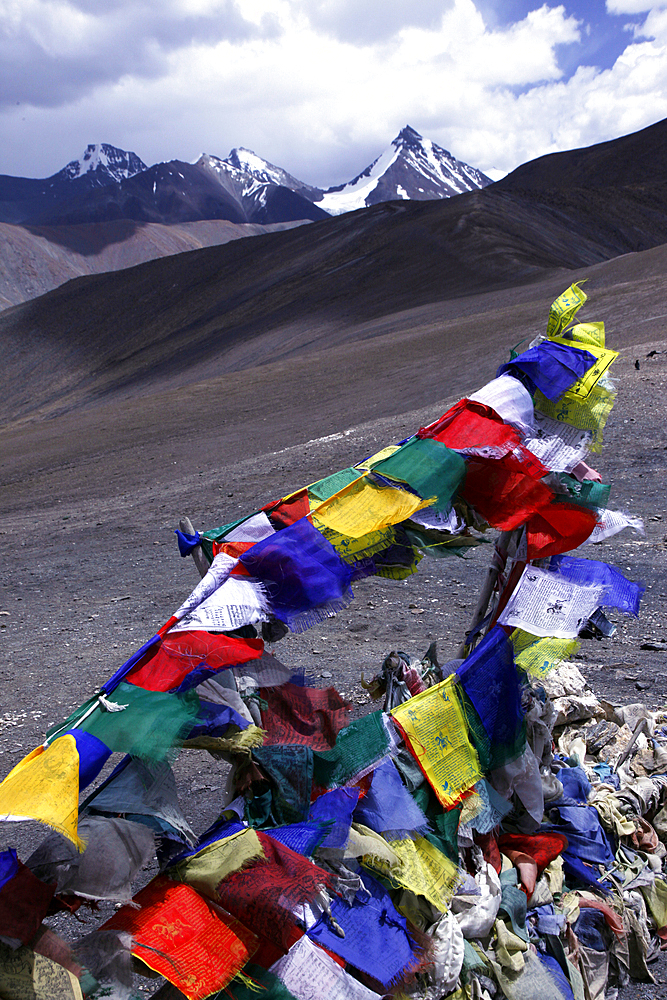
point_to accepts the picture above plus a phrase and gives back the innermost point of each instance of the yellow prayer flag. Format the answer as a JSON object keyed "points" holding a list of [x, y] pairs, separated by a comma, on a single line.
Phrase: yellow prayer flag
{"points": [[588, 414], [426, 871], [368, 463], [434, 726], [564, 309], [365, 507], [539, 656], [44, 786]]}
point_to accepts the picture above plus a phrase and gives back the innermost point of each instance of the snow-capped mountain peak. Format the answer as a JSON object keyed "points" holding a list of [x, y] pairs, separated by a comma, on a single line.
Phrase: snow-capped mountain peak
{"points": [[411, 168], [249, 171], [104, 160]]}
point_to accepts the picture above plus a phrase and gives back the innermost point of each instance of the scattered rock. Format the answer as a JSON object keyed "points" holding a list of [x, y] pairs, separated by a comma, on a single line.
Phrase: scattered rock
{"points": [[655, 644]]}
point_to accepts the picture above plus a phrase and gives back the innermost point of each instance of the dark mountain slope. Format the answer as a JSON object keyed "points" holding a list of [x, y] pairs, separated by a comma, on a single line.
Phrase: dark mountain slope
{"points": [[224, 309], [636, 159]]}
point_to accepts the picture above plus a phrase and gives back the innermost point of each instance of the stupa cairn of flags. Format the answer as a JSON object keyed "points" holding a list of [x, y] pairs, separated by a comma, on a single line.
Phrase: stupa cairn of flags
{"points": [[445, 846]]}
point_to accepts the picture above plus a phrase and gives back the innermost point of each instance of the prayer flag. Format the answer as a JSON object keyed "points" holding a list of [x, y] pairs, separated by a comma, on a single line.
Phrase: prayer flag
{"points": [[184, 937], [435, 730], [44, 786]]}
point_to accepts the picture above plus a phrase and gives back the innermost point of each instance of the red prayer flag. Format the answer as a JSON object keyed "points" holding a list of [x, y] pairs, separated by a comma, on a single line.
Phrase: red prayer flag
{"points": [[187, 939], [506, 491], [309, 716], [559, 527], [166, 664], [469, 424]]}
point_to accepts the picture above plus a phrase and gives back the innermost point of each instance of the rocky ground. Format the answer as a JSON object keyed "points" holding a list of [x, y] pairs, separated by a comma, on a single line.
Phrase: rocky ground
{"points": [[85, 584]]}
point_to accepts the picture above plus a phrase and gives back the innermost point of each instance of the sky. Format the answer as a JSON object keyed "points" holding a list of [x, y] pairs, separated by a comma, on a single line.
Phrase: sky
{"points": [[320, 87]]}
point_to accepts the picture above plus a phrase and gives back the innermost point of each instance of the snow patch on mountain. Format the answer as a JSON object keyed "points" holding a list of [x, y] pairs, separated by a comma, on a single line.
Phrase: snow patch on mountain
{"points": [[249, 172]]}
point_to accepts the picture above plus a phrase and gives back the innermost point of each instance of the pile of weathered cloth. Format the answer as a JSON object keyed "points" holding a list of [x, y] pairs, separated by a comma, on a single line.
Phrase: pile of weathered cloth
{"points": [[495, 830]]}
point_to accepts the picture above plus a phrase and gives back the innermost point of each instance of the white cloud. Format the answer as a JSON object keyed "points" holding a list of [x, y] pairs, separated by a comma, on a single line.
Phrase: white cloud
{"points": [[321, 99]]}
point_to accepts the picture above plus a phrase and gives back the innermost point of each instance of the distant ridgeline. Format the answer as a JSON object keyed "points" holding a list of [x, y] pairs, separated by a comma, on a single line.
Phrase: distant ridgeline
{"points": [[349, 859]]}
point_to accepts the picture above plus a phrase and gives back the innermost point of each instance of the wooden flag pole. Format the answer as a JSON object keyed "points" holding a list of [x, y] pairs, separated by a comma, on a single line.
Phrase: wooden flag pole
{"points": [[200, 560], [496, 565]]}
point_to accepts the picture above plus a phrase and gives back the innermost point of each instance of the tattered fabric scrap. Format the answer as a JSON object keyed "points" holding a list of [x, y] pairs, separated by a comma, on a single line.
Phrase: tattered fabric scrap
{"points": [[434, 728], [301, 573], [428, 467], [184, 937], [510, 399], [325, 488], [116, 850], [589, 414], [44, 786], [422, 869], [336, 807], [388, 806], [358, 749], [255, 983], [376, 939], [538, 656], [208, 867], [236, 602], [265, 895], [557, 528], [24, 901], [545, 604], [563, 309], [296, 714], [304, 838], [146, 792], [365, 507], [310, 974], [474, 429], [289, 768]]}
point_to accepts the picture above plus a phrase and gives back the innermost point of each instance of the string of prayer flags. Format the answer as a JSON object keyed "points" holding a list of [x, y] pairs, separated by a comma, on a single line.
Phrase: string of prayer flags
{"points": [[142, 723], [434, 729], [184, 937], [376, 939], [303, 576]]}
